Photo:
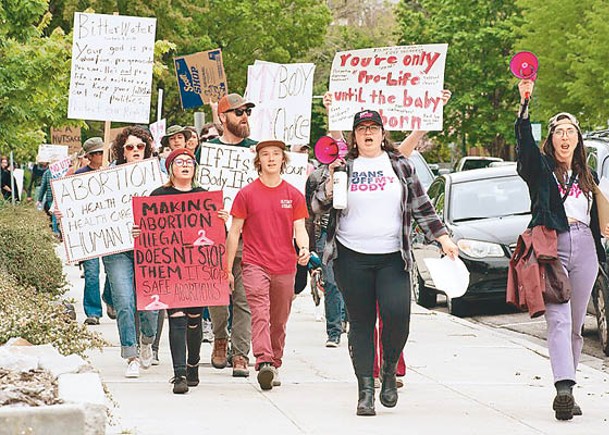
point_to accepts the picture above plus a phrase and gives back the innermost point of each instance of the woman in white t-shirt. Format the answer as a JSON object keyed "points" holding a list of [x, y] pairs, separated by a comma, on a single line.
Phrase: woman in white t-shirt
{"points": [[370, 244]]}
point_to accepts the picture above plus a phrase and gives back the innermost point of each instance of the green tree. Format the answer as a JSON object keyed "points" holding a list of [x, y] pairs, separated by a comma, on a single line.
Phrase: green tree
{"points": [[481, 37]]}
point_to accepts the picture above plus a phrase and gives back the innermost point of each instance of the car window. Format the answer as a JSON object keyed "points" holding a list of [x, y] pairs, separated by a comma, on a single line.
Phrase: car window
{"points": [[490, 197], [475, 164], [592, 159], [436, 194], [423, 172]]}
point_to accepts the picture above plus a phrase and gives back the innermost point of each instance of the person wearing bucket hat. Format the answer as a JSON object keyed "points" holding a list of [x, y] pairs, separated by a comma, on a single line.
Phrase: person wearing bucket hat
{"points": [[185, 326], [233, 113], [372, 258], [176, 137], [561, 187]]}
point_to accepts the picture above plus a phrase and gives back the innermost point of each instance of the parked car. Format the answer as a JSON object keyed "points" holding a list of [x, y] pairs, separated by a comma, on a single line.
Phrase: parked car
{"points": [[484, 210], [475, 162], [422, 168]]}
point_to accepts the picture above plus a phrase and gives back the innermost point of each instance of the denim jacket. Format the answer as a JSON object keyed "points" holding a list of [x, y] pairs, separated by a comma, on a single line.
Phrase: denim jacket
{"points": [[415, 203]]}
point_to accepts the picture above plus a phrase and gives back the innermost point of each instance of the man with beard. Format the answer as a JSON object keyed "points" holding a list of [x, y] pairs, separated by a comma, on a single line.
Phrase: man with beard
{"points": [[234, 112]]}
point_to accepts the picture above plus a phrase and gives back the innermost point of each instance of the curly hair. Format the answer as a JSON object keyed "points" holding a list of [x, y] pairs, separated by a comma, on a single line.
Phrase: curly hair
{"points": [[353, 152], [118, 151]]}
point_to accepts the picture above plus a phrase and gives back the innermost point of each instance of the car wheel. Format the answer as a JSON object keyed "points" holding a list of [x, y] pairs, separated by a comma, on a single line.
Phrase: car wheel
{"points": [[600, 296], [456, 306], [422, 295]]}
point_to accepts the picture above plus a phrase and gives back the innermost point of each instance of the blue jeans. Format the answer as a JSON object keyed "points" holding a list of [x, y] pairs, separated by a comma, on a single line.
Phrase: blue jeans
{"points": [[333, 299], [121, 274], [107, 294], [91, 301]]}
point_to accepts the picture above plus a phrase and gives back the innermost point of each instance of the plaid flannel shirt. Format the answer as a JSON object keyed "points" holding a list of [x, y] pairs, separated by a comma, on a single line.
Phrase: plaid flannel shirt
{"points": [[415, 204]]}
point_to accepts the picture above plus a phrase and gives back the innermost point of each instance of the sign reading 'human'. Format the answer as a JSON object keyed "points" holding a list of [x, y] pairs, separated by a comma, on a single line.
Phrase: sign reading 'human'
{"points": [[96, 207], [180, 255]]}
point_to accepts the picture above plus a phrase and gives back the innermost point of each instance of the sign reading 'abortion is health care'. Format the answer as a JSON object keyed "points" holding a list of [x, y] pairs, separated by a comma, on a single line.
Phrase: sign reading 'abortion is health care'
{"points": [[96, 207], [180, 255], [112, 58], [404, 84]]}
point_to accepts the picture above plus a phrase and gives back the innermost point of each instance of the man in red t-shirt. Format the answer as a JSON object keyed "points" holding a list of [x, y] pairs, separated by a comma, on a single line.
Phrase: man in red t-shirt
{"points": [[268, 213]]}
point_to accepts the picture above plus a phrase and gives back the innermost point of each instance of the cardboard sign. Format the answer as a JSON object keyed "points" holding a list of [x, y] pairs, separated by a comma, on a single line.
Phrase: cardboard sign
{"points": [[180, 255], [112, 59], [282, 94], [96, 207], [69, 136], [201, 78], [60, 167], [157, 129], [404, 84], [51, 153], [229, 168]]}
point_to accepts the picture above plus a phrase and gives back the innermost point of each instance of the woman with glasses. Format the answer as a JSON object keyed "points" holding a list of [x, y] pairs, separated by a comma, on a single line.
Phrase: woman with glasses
{"points": [[561, 185], [369, 242], [185, 328], [133, 144]]}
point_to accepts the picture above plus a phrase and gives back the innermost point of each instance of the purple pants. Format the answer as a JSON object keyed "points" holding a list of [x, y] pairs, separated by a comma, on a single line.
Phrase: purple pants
{"points": [[578, 256]]}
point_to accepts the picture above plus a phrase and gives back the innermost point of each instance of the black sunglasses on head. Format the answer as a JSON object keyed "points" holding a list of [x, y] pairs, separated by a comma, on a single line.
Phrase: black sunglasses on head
{"points": [[240, 112]]}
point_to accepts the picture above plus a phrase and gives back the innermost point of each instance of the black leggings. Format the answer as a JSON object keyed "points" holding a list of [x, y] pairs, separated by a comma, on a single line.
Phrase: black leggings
{"points": [[365, 280], [185, 331]]}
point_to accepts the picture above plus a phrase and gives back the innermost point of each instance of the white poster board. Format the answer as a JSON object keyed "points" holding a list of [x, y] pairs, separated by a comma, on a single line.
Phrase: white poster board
{"points": [[282, 94], [112, 58], [404, 84], [51, 153], [60, 167], [157, 129], [96, 207], [229, 168], [19, 175]]}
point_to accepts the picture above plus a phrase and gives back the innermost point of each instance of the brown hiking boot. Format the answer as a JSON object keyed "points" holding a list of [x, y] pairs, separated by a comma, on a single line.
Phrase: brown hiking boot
{"points": [[218, 356], [240, 369]]}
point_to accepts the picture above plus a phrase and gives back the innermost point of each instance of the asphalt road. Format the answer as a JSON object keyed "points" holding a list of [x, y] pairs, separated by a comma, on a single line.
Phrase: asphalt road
{"points": [[502, 316]]}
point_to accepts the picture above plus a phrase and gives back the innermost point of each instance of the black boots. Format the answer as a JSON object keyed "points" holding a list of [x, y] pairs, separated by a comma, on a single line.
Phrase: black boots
{"points": [[564, 401], [365, 404], [389, 388]]}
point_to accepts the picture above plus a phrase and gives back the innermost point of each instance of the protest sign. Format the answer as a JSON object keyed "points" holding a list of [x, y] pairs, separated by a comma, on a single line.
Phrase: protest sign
{"points": [[69, 136], [201, 78], [157, 129], [96, 207], [229, 168], [51, 153], [404, 84], [60, 168], [180, 255], [282, 94], [112, 58], [19, 175]]}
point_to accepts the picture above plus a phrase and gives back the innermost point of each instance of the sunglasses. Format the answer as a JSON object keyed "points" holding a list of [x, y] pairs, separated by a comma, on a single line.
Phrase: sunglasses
{"points": [[130, 147], [184, 162], [240, 112]]}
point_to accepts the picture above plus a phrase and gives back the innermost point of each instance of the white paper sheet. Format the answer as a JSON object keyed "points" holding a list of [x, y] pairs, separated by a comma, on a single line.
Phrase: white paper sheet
{"points": [[450, 276]]}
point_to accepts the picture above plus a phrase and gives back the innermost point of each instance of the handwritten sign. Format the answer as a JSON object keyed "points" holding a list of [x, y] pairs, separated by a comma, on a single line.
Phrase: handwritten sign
{"points": [[112, 58], [60, 167], [157, 129], [180, 256], [404, 84], [229, 168], [201, 78], [51, 153], [69, 136], [96, 207], [282, 94]]}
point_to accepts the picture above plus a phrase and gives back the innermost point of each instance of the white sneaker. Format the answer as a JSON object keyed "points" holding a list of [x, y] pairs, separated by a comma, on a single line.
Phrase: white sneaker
{"points": [[146, 355], [208, 332], [276, 379], [133, 369]]}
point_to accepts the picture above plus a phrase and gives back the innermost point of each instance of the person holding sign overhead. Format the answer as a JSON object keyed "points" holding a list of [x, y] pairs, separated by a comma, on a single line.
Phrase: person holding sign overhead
{"points": [[561, 187], [369, 242], [270, 212], [185, 327], [131, 145]]}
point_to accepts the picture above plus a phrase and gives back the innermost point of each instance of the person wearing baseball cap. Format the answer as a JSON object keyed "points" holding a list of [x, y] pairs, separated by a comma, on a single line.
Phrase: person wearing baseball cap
{"points": [[176, 137], [233, 113]]}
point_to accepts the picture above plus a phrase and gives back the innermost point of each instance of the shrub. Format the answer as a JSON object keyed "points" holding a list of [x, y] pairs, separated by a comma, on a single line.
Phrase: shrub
{"points": [[26, 249]]}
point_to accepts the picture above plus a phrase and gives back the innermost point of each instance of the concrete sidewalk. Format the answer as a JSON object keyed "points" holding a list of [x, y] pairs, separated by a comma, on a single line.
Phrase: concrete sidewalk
{"points": [[461, 378]]}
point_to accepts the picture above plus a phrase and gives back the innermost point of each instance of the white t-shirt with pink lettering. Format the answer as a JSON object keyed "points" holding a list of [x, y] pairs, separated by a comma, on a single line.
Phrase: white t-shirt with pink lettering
{"points": [[372, 221], [576, 205]]}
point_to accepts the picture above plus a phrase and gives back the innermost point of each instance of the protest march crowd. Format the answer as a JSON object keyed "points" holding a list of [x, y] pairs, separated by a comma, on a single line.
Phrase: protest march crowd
{"points": [[218, 232]]}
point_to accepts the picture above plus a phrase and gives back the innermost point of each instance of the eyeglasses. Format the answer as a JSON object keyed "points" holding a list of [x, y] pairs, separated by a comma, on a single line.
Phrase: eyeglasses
{"points": [[562, 132], [374, 128], [130, 147], [240, 112], [95, 153], [184, 162]]}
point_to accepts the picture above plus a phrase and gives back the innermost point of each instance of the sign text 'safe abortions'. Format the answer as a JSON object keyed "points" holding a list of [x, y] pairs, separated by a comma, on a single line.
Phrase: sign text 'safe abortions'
{"points": [[404, 84], [112, 58], [96, 207], [180, 255]]}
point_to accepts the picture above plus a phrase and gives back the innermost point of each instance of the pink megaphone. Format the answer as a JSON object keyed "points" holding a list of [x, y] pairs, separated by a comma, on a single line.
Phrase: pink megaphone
{"points": [[327, 149], [524, 65]]}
